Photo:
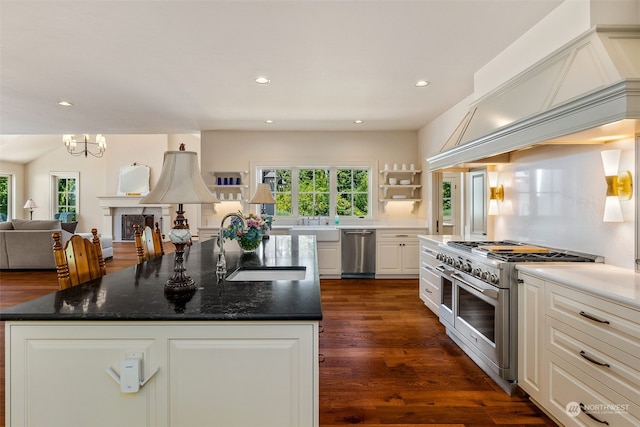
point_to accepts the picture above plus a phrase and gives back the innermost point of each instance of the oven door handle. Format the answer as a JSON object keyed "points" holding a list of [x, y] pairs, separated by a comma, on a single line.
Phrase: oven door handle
{"points": [[488, 292], [442, 268]]}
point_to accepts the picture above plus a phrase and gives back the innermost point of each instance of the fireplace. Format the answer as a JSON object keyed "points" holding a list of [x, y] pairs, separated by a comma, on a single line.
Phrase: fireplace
{"points": [[115, 207], [129, 220]]}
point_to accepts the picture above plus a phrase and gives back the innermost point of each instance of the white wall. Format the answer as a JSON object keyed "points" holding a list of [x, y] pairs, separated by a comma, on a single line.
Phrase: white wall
{"points": [[234, 150], [554, 195], [98, 176], [20, 197]]}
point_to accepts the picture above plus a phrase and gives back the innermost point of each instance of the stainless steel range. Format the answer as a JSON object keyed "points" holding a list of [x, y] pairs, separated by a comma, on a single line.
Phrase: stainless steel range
{"points": [[478, 299]]}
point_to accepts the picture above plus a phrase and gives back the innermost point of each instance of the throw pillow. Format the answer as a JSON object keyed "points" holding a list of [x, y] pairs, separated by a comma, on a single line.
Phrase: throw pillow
{"points": [[36, 224], [69, 226]]}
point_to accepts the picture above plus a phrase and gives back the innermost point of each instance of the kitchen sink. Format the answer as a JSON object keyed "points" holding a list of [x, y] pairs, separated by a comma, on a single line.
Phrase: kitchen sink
{"points": [[323, 233], [267, 274]]}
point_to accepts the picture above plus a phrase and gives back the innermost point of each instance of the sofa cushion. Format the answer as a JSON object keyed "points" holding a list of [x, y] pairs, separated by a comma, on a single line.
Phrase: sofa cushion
{"points": [[36, 224], [69, 226], [6, 226]]}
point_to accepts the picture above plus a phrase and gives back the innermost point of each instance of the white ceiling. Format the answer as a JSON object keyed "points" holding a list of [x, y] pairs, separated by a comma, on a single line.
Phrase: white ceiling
{"points": [[182, 66]]}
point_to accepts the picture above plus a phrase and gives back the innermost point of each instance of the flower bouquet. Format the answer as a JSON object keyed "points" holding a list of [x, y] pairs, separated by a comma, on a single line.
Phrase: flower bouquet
{"points": [[249, 236]]}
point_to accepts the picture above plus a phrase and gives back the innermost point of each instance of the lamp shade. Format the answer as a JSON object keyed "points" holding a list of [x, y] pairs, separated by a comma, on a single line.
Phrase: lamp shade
{"points": [[610, 161], [30, 204], [180, 181], [263, 195]]}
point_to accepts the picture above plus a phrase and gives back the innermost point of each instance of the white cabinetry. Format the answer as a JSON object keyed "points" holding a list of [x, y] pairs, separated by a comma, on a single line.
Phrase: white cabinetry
{"points": [[397, 252], [210, 373], [329, 259], [531, 335], [429, 286], [583, 368]]}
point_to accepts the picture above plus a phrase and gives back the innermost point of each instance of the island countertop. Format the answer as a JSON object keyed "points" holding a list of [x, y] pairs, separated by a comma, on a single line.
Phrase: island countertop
{"points": [[137, 293]]}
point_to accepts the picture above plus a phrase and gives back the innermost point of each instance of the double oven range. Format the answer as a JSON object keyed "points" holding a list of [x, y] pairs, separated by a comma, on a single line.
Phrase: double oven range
{"points": [[479, 303]]}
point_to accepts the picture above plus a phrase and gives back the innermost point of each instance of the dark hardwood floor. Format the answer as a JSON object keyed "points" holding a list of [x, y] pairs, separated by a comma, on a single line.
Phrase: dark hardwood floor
{"points": [[387, 361]]}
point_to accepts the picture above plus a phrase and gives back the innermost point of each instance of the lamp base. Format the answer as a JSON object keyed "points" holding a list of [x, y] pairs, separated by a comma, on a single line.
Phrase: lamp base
{"points": [[180, 236]]}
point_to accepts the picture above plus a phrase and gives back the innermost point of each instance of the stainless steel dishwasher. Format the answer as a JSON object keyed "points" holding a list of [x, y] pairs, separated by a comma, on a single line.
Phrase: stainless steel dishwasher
{"points": [[358, 253]]}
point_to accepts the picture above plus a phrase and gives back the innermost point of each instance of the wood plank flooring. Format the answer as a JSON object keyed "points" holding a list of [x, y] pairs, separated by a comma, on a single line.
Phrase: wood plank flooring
{"points": [[387, 361]]}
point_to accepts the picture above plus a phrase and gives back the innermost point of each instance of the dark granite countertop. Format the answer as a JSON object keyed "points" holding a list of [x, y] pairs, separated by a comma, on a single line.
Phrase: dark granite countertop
{"points": [[137, 293]]}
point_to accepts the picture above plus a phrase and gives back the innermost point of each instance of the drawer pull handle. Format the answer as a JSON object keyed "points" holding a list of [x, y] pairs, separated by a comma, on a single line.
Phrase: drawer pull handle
{"points": [[428, 291], [590, 415], [592, 317], [592, 360]]}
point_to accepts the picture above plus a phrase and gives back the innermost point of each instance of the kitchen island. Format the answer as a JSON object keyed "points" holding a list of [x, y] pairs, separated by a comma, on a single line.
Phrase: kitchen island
{"points": [[231, 353]]}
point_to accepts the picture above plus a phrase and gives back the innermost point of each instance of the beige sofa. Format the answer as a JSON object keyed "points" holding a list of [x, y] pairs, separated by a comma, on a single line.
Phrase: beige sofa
{"points": [[26, 244]]}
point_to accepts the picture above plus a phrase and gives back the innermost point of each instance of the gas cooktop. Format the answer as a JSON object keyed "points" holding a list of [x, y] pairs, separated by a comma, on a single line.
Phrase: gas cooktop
{"points": [[511, 251]]}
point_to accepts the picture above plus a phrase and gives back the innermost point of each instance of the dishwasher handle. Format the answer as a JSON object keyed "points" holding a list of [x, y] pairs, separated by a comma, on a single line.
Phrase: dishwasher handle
{"points": [[359, 233]]}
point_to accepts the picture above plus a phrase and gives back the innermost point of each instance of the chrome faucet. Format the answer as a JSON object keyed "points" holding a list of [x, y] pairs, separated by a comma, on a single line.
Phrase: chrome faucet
{"points": [[221, 265]]}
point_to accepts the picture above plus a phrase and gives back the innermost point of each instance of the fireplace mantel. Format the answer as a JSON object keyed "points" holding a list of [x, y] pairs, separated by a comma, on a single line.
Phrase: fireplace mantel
{"points": [[111, 204]]}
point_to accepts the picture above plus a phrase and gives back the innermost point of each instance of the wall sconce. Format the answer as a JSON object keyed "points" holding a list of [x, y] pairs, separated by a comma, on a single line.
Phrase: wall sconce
{"points": [[496, 194], [619, 185]]}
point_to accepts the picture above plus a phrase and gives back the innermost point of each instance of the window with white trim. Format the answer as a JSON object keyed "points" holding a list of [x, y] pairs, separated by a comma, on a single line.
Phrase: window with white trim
{"points": [[319, 191], [65, 192]]}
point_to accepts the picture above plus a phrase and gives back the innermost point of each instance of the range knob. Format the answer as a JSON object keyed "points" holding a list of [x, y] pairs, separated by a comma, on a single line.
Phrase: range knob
{"points": [[485, 275], [449, 260], [493, 279], [458, 264], [477, 272], [466, 267], [440, 257]]}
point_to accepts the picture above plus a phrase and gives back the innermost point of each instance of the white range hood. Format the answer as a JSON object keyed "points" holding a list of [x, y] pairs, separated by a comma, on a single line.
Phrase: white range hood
{"points": [[592, 81]]}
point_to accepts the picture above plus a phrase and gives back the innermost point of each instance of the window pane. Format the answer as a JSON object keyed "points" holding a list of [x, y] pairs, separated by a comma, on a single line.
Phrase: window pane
{"points": [[66, 194], [361, 205], [4, 198], [305, 204], [279, 181], [283, 205], [322, 204], [361, 180], [353, 188], [344, 204], [344, 180]]}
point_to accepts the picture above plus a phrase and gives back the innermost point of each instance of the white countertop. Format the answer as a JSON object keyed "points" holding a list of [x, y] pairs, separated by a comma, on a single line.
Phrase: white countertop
{"points": [[615, 283], [446, 238]]}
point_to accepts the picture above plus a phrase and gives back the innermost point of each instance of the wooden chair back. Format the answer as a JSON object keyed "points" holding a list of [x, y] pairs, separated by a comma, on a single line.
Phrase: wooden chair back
{"points": [[148, 242], [79, 261]]}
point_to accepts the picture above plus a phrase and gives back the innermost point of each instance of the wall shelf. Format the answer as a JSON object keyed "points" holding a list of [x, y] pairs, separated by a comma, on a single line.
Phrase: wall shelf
{"points": [[236, 184], [411, 191]]}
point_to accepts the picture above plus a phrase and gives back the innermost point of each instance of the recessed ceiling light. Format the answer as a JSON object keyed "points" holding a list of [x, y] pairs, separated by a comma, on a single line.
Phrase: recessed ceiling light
{"points": [[262, 80], [269, 122], [358, 122], [65, 104], [422, 83]]}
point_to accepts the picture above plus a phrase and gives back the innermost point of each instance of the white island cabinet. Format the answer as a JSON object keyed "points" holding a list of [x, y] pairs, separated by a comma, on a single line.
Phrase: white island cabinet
{"points": [[231, 374], [121, 351], [579, 342]]}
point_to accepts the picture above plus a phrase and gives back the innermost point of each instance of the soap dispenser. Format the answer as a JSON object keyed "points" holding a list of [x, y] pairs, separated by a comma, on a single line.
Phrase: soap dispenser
{"points": [[336, 219]]}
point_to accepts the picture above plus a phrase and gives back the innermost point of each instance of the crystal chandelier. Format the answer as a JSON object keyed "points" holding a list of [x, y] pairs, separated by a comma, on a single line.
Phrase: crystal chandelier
{"points": [[85, 147]]}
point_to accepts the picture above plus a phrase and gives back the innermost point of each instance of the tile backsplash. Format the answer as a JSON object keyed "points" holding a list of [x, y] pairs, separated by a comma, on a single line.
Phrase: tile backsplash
{"points": [[555, 195]]}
